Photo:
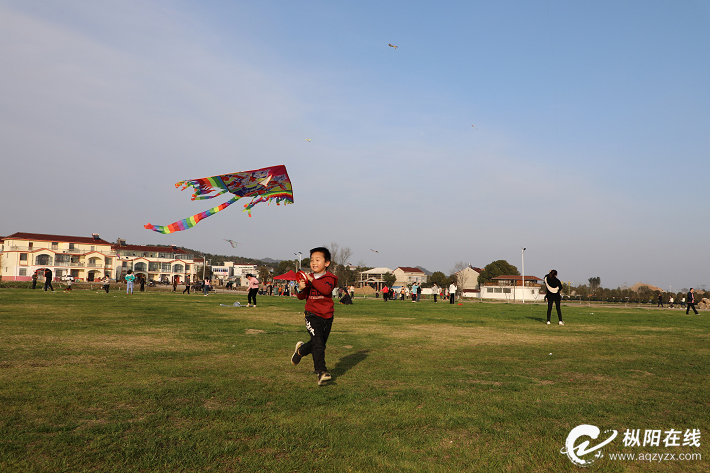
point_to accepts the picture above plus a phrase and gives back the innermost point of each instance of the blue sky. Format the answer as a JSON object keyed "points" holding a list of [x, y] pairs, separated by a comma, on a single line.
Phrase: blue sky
{"points": [[590, 150]]}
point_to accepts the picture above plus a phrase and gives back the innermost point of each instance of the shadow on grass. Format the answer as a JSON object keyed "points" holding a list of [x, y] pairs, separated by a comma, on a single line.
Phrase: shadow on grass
{"points": [[539, 319], [349, 361]]}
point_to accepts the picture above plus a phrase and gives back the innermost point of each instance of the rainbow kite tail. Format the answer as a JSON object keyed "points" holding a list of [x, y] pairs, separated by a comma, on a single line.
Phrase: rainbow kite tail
{"points": [[190, 222]]}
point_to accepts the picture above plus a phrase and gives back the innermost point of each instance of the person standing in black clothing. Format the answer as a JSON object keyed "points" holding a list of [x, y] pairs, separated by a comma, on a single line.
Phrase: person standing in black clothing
{"points": [[34, 279], [691, 301], [142, 282], [48, 280], [660, 300], [554, 296]]}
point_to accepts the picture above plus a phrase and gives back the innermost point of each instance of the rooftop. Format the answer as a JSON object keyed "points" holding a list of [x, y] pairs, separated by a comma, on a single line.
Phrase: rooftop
{"points": [[57, 238]]}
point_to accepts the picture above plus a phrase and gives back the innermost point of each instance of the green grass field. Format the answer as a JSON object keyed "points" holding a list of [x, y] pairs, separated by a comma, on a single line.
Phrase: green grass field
{"points": [[166, 382]]}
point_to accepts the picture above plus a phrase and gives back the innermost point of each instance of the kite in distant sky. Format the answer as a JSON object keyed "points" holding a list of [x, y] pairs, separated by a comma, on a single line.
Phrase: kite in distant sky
{"points": [[232, 242], [262, 185], [474, 126], [392, 46], [374, 250], [308, 139]]}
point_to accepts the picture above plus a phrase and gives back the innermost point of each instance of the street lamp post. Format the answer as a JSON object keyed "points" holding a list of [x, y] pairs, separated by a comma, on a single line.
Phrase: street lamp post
{"points": [[523, 282], [300, 255]]}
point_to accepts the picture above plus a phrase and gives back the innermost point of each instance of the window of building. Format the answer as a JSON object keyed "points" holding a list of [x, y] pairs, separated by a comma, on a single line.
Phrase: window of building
{"points": [[71, 246], [153, 266], [489, 289], [23, 256], [55, 245], [178, 268], [506, 290], [23, 271], [498, 289], [43, 260], [30, 245], [166, 267], [62, 259]]}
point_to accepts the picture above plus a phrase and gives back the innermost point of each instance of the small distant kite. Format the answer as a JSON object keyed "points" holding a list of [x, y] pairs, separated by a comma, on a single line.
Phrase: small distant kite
{"points": [[232, 242], [308, 139], [392, 46], [474, 126], [262, 185], [374, 250]]}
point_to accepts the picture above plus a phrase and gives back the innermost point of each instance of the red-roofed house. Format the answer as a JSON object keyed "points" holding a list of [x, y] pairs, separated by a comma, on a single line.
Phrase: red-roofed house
{"points": [[510, 287], [85, 258], [406, 276], [88, 258], [159, 263], [467, 281]]}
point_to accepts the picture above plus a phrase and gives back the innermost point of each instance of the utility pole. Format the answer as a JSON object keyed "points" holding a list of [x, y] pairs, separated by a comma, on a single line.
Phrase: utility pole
{"points": [[523, 282]]}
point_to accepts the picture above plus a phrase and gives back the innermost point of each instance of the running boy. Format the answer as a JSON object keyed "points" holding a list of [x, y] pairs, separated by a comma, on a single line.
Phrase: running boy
{"points": [[318, 292]]}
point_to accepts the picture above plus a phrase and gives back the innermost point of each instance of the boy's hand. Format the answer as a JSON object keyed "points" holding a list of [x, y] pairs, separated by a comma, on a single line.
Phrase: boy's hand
{"points": [[301, 284]]}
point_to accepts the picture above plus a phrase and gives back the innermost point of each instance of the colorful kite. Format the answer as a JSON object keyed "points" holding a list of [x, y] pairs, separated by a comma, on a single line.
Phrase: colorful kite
{"points": [[232, 242], [474, 126], [308, 139], [392, 46], [374, 250], [262, 185]]}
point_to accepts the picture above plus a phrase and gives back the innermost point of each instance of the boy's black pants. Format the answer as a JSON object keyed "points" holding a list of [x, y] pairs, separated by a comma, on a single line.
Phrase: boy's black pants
{"points": [[319, 328]]}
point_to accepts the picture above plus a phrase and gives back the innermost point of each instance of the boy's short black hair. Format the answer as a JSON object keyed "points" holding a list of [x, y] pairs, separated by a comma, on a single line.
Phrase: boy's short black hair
{"points": [[322, 249]]}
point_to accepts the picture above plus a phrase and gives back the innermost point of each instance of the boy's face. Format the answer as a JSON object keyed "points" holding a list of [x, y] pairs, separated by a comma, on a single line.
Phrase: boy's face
{"points": [[318, 262]]}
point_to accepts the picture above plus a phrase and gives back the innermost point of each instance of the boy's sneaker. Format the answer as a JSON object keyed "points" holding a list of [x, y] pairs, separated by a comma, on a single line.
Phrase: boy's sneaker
{"points": [[296, 357], [323, 378], [548, 322], [561, 322]]}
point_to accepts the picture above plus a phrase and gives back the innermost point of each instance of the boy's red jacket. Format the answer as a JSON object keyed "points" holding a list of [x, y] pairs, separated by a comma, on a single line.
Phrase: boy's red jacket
{"points": [[319, 295]]}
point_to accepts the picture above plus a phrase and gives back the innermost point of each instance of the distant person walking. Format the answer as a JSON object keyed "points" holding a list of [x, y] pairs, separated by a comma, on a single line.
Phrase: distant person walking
{"points": [[435, 291], [452, 292], [70, 280], [34, 279], [419, 291], [660, 300], [253, 290], [206, 286], [670, 302], [142, 282], [554, 288], [187, 286], [48, 280], [130, 278], [691, 302], [175, 283], [106, 283]]}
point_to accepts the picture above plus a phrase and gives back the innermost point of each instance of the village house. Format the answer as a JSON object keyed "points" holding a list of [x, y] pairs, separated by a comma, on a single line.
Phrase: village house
{"points": [[374, 278], [158, 263], [407, 276], [510, 288], [467, 281]]}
